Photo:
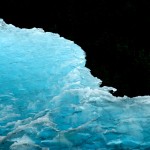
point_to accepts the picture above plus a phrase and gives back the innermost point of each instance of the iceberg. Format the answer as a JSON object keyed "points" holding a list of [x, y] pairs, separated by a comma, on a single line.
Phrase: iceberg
{"points": [[50, 101]]}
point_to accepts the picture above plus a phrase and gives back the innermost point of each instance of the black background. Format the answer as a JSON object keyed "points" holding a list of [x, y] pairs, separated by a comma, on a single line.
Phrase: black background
{"points": [[114, 34]]}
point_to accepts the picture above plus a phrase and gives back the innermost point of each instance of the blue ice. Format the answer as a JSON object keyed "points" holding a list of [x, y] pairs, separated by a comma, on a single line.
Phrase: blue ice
{"points": [[50, 101]]}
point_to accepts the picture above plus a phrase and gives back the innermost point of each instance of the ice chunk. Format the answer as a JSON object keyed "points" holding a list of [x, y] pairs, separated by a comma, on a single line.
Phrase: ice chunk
{"points": [[24, 143], [50, 100]]}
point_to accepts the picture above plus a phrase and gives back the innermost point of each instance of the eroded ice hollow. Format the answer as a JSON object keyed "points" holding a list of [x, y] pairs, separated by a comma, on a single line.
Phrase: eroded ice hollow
{"points": [[50, 100]]}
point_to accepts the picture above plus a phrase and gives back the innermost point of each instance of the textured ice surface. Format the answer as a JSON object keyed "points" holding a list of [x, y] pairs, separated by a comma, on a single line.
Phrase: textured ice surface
{"points": [[50, 101]]}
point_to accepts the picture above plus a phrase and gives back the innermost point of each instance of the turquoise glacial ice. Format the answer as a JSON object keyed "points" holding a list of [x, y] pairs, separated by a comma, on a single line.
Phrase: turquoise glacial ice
{"points": [[50, 101]]}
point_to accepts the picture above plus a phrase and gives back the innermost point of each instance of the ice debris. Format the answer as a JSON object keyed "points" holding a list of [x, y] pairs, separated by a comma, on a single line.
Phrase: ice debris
{"points": [[49, 100]]}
